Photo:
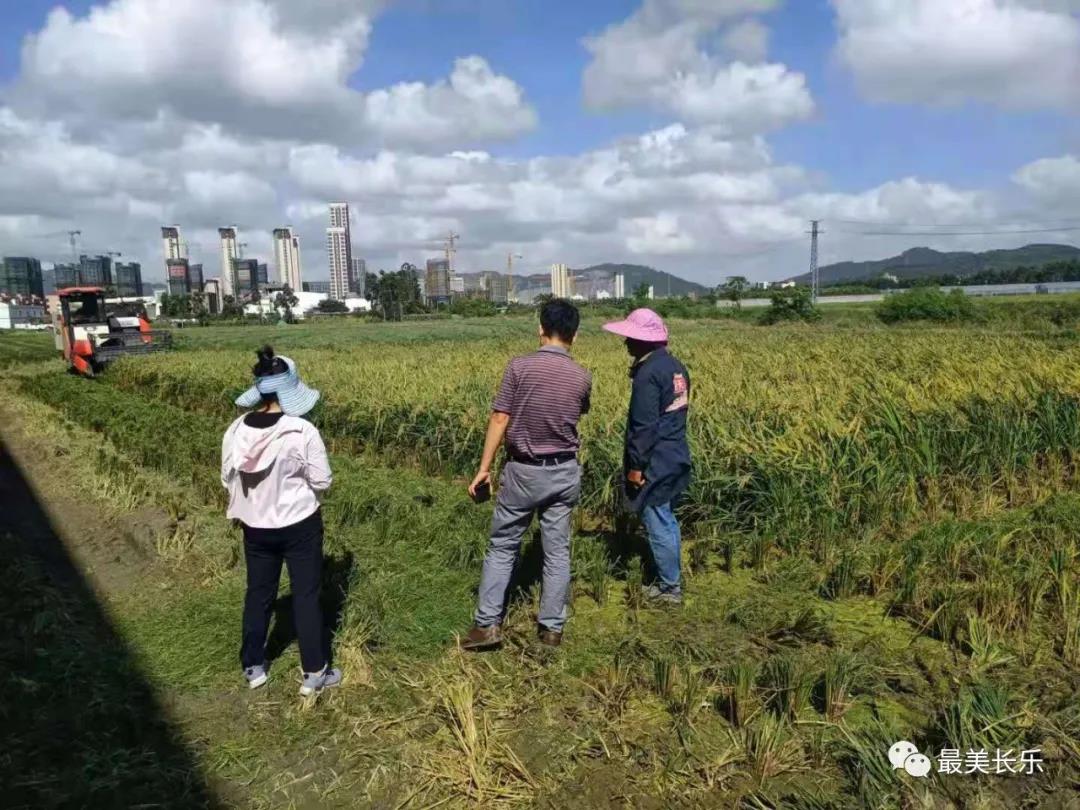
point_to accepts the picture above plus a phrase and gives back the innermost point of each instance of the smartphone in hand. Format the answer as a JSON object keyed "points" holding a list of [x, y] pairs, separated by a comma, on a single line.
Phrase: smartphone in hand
{"points": [[483, 493]]}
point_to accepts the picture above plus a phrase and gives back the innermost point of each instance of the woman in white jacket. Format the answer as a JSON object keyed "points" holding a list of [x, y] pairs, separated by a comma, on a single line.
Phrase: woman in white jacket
{"points": [[275, 468]]}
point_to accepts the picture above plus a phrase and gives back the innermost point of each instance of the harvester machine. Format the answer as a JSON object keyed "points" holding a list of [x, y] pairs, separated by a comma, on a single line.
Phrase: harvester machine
{"points": [[91, 336]]}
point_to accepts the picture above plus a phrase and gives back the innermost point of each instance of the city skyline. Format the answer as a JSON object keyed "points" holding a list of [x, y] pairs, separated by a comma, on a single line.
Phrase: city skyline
{"points": [[697, 138]]}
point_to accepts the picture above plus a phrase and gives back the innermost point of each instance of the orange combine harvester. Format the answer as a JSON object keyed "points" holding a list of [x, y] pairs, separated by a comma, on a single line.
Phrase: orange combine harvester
{"points": [[91, 336]]}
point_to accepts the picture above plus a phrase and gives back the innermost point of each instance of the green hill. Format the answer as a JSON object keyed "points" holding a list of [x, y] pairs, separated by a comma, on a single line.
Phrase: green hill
{"points": [[664, 284], [921, 262]]}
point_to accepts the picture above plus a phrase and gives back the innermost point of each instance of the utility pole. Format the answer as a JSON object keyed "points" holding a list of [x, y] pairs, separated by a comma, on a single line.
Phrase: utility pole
{"points": [[510, 275], [815, 281]]}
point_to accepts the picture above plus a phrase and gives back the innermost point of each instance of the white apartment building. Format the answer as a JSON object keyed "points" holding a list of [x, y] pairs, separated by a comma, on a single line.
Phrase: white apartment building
{"points": [[561, 286], [172, 245], [620, 286], [230, 252], [337, 248], [287, 258]]}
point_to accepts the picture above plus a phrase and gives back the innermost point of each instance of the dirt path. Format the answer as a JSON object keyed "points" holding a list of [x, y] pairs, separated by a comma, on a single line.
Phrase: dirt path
{"points": [[81, 725], [114, 552]]}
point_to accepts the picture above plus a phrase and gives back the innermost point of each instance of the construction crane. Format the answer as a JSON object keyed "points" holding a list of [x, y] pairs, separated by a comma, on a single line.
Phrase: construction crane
{"points": [[451, 249], [72, 235]]}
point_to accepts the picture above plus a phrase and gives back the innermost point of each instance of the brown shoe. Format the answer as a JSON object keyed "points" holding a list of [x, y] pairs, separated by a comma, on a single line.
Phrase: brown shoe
{"points": [[550, 638], [482, 638]]}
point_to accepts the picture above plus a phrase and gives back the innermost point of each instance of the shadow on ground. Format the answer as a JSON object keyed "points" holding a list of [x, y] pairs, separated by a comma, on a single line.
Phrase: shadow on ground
{"points": [[80, 724]]}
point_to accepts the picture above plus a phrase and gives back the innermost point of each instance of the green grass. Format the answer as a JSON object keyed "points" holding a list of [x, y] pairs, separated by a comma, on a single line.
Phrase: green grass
{"points": [[18, 347], [781, 683]]}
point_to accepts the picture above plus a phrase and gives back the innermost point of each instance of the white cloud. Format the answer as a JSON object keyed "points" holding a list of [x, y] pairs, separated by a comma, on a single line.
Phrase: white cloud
{"points": [[115, 129], [474, 101], [659, 235], [260, 67], [1018, 54], [1054, 183], [655, 58], [908, 201], [747, 40]]}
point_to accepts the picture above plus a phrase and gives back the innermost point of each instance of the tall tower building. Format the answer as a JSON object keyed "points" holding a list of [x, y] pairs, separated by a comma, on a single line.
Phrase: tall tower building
{"points": [[358, 277], [339, 250], [620, 286], [170, 238], [437, 281], [229, 254], [560, 281], [287, 258]]}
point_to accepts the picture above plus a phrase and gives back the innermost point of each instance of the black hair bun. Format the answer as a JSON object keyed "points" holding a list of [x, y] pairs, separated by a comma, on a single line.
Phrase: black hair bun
{"points": [[265, 366]]}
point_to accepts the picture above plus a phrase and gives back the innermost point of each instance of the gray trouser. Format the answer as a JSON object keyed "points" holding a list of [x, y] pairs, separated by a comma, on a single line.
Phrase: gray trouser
{"points": [[552, 493]]}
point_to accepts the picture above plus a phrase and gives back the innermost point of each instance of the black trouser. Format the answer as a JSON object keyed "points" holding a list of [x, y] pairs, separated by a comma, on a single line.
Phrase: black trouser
{"points": [[300, 546]]}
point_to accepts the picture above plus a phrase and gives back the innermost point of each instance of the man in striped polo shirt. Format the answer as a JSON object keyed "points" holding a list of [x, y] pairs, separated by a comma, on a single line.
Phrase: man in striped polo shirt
{"points": [[536, 412]]}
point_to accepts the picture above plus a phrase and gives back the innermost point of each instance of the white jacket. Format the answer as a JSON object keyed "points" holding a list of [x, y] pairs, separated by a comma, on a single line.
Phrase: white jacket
{"points": [[276, 475]]}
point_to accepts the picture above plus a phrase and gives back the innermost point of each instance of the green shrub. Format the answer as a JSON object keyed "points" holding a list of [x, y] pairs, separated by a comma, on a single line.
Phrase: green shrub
{"points": [[794, 304], [927, 304]]}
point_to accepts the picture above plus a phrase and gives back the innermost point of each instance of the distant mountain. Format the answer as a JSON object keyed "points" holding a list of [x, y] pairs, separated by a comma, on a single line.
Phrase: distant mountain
{"points": [[921, 262], [664, 284]]}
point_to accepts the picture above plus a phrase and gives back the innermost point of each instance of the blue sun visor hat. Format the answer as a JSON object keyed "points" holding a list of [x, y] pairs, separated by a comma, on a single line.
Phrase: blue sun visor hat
{"points": [[295, 398]]}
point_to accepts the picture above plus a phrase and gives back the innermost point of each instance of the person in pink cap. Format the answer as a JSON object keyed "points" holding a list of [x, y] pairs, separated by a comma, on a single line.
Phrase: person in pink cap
{"points": [[657, 456]]}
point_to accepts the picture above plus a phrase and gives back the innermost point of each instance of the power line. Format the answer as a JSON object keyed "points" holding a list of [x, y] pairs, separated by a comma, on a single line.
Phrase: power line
{"points": [[961, 233], [983, 224], [767, 247]]}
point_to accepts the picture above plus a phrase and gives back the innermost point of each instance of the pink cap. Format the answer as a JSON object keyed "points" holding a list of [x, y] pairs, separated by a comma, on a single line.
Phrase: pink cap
{"points": [[641, 324]]}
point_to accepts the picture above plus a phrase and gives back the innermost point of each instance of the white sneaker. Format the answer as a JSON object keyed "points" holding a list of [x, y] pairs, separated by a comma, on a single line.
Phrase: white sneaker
{"points": [[256, 676], [317, 681]]}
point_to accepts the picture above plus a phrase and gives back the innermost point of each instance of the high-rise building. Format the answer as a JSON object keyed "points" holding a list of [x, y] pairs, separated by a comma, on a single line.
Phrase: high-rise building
{"points": [[358, 277], [65, 275], [262, 276], [195, 278], [230, 252], [212, 294], [437, 281], [173, 246], [496, 286], [95, 271], [287, 258], [245, 273], [561, 285], [337, 248], [457, 285], [620, 286], [128, 279], [339, 215], [21, 275], [179, 277]]}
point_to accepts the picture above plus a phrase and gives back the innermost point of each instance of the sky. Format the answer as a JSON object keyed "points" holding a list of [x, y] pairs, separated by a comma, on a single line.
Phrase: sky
{"points": [[695, 136]]}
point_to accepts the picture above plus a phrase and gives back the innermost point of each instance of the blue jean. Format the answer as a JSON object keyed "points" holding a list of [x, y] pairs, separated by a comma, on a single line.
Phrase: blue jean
{"points": [[665, 540]]}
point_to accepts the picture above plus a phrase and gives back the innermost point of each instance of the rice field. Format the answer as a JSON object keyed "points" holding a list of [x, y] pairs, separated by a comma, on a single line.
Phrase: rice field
{"points": [[881, 546]]}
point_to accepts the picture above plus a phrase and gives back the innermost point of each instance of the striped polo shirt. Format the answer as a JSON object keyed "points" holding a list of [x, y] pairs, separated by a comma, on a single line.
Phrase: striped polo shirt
{"points": [[545, 393]]}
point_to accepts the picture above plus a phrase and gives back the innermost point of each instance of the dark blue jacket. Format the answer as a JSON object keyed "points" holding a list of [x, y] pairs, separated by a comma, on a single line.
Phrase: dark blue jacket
{"points": [[656, 430]]}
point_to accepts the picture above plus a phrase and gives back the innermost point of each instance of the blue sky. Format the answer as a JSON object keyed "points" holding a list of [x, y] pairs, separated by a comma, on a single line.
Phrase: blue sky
{"points": [[856, 109]]}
